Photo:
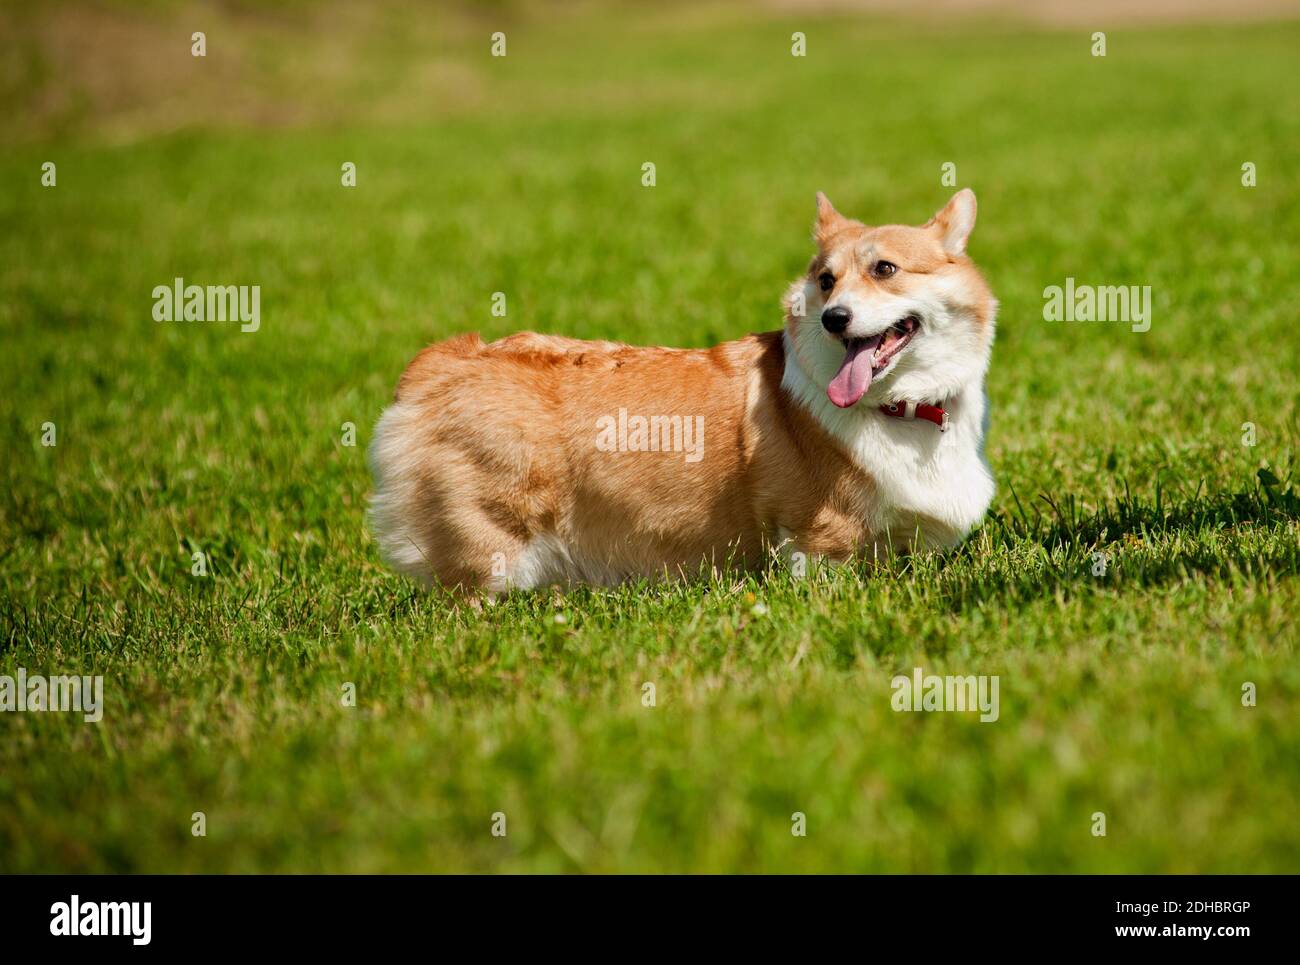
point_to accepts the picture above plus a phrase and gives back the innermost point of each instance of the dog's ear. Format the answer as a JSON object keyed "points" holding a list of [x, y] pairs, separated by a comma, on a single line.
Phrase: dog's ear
{"points": [[955, 222], [829, 220]]}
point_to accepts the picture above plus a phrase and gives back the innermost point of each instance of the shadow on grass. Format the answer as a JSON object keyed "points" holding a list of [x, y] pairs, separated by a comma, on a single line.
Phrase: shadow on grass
{"points": [[1067, 523], [1035, 554], [1139, 543]]}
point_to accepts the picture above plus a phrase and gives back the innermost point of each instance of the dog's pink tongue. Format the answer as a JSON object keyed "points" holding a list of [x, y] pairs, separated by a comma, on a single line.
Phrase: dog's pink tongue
{"points": [[854, 377]]}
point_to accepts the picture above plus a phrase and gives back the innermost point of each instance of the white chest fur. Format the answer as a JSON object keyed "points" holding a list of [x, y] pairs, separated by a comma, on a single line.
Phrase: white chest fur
{"points": [[937, 481]]}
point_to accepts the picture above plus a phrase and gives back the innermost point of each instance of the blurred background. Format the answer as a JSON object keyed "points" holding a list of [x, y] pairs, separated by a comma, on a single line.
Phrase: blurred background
{"points": [[116, 70], [523, 174]]}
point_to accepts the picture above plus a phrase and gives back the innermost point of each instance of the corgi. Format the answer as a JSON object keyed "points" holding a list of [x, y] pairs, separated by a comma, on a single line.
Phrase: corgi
{"points": [[856, 429]]}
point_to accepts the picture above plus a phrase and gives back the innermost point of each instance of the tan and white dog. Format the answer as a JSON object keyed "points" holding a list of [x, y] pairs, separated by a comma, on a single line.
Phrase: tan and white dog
{"points": [[538, 459]]}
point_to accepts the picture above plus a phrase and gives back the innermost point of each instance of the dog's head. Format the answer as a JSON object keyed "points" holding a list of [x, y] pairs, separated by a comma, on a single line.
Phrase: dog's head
{"points": [[892, 313]]}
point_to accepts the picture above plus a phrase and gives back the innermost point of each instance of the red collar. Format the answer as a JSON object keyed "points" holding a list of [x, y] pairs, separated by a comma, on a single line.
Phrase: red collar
{"points": [[917, 410]]}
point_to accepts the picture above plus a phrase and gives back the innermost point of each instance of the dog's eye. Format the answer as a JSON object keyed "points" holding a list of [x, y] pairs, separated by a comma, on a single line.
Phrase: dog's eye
{"points": [[883, 269], [826, 280]]}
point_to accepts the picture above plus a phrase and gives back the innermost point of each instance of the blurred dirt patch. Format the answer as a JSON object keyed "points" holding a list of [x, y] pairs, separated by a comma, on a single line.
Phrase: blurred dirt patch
{"points": [[120, 71], [1098, 14]]}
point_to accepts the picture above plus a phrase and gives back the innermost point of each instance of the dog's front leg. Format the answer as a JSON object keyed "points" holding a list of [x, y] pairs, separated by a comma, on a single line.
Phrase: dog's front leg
{"points": [[801, 557]]}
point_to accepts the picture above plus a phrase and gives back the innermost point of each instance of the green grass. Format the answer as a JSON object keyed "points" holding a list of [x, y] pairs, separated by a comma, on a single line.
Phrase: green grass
{"points": [[1119, 693]]}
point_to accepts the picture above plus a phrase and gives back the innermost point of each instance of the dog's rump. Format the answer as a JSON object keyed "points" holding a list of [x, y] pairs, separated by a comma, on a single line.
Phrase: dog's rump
{"points": [[625, 456]]}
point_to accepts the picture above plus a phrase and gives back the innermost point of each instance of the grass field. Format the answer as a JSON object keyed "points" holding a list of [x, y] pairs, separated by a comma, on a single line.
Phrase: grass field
{"points": [[1120, 693]]}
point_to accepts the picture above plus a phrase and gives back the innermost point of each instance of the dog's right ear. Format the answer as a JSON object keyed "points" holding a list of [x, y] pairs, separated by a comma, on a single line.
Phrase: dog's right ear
{"points": [[829, 220]]}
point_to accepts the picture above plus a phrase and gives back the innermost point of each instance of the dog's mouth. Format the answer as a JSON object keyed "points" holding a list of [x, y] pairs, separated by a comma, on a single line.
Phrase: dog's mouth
{"points": [[866, 358]]}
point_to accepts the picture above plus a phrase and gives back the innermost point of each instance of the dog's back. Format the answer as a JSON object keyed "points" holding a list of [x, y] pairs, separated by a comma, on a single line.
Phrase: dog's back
{"points": [[508, 464]]}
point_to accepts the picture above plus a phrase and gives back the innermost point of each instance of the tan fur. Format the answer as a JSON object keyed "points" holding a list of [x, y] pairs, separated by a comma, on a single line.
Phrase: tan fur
{"points": [[854, 247], [491, 448], [507, 436]]}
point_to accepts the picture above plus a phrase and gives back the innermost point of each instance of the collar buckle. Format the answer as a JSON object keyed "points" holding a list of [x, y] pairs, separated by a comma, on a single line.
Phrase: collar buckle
{"points": [[912, 411]]}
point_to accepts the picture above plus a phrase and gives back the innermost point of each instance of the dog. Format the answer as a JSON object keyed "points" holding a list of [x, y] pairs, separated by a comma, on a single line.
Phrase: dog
{"points": [[858, 429]]}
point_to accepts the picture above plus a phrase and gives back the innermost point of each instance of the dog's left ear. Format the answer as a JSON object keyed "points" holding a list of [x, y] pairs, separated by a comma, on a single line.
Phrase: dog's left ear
{"points": [[955, 222]]}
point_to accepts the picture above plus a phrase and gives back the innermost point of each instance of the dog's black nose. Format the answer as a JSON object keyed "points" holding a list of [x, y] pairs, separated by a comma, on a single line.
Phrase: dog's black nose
{"points": [[836, 320]]}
